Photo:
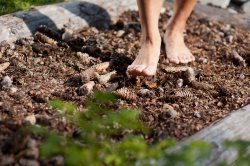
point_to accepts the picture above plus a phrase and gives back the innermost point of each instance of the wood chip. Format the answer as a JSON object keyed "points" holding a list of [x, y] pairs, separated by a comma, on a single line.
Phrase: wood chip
{"points": [[4, 66]]}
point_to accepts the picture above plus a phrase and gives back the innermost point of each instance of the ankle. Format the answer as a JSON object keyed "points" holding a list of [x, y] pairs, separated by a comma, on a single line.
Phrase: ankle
{"points": [[152, 40]]}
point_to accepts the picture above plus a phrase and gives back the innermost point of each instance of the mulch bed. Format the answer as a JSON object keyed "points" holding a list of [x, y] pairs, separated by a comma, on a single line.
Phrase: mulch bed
{"points": [[177, 102]]}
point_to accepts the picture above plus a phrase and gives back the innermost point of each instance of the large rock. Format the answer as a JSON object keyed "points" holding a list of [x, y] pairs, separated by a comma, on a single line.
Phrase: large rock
{"points": [[219, 3], [246, 7]]}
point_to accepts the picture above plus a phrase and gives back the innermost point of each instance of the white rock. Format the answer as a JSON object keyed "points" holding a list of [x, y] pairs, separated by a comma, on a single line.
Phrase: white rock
{"points": [[246, 8], [179, 83], [31, 119], [219, 3], [120, 33], [6, 81]]}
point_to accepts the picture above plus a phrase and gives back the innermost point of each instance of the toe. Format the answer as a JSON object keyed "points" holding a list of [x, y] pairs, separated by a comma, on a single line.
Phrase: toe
{"points": [[149, 71], [174, 60], [192, 58], [182, 60], [140, 68]]}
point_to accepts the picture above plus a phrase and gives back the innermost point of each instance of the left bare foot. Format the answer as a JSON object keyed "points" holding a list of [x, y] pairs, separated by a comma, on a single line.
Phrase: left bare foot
{"points": [[147, 59], [176, 49]]}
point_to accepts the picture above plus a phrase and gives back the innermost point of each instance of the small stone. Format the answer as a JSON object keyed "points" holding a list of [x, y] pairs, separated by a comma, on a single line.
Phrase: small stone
{"points": [[203, 60], [13, 90], [172, 113], [242, 76], [32, 153], [161, 89], [167, 107], [179, 83], [230, 38], [120, 33], [57, 160], [197, 114], [28, 162], [6, 81], [31, 143], [144, 92], [151, 118], [86, 89], [31, 119], [219, 104]]}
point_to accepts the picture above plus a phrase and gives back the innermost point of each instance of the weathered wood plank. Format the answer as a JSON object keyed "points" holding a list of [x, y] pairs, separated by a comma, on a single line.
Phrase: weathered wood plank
{"points": [[223, 15], [74, 15], [235, 126], [100, 13]]}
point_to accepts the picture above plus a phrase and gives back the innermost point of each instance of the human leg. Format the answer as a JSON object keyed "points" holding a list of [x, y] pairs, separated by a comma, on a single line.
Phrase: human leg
{"points": [[177, 51], [147, 59]]}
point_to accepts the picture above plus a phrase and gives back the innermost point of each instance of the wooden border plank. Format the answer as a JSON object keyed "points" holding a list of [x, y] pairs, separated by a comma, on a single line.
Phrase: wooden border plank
{"points": [[235, 126]]}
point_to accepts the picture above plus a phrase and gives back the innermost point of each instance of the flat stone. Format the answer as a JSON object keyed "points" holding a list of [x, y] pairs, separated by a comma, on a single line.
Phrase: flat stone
{"points": [[219, 3], [246, 8], [31, 119]]}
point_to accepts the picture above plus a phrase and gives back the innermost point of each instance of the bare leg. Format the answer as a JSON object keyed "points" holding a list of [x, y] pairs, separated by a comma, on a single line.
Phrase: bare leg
{"points": [[146, 61], [177, 51]]}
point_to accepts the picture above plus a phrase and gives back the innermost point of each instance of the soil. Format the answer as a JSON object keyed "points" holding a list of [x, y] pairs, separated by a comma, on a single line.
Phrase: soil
{"points": [[177, 102]]}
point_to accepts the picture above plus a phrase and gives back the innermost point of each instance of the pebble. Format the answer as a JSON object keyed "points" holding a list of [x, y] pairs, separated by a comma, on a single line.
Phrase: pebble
{"points": [[172, 113], [28, 162], [31, 143], [6, 81], [31, 119], [230, 39], [167, 106], [203, 60], [57, 160], [13, 90], [120, 33], [197, 114], [32, 153], [170, 110], [180, 83], [144, 92]]}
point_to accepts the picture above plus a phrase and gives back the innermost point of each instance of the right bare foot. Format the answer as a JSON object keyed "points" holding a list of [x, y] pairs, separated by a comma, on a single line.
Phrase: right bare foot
{"points": [[176, 49], [146, 62]]}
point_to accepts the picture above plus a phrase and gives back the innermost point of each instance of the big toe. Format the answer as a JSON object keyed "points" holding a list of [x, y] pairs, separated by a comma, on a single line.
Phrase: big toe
{"points": [[136, 69], [174, 60], [149, 71]]}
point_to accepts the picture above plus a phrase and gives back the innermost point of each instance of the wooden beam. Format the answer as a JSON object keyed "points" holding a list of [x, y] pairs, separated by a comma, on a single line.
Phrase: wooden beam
{"points": [[99, 13], [223, 15], [234, 126], [74, 15]]}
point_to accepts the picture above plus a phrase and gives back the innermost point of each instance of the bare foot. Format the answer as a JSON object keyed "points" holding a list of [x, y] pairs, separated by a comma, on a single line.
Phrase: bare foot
{"points": [[146, 61], [177, 51]]}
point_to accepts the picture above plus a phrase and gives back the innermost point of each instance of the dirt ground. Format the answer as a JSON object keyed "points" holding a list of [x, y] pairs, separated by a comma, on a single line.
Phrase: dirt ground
{"points": [[177, 102]]}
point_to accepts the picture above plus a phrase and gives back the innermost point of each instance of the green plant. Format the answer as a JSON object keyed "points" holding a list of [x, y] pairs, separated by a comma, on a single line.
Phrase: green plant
{"points": [[9, 6], [112, 137]]}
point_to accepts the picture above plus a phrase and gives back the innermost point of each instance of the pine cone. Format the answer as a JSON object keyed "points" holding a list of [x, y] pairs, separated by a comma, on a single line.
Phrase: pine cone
{"points": [[45, 39], [183, 94], [171, 69], [125, 93]]}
